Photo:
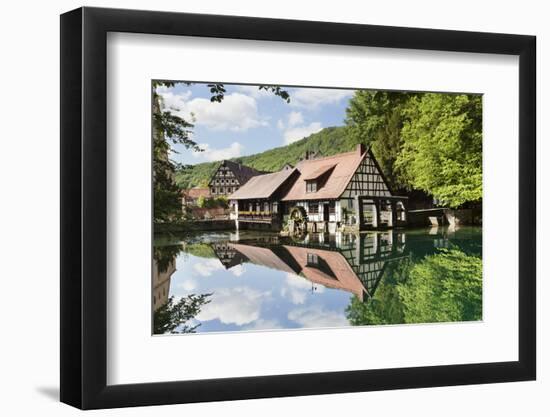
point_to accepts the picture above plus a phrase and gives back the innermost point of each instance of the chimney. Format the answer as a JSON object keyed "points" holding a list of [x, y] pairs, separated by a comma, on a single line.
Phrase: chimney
{"points": [[361, 148], [307, 155]]}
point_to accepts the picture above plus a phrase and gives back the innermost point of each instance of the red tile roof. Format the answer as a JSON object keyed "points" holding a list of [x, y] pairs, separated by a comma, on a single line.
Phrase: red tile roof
{"points": [[318, 172], [196, 192], [344, 166], [262, 186]]}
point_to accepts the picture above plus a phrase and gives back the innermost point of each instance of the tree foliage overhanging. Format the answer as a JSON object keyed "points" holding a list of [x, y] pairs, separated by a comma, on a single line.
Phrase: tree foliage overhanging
{"points": [[425, 141]]}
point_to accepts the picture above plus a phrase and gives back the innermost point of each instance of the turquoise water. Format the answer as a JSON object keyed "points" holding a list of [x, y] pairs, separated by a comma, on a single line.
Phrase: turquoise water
{"points": [[227, 281]]}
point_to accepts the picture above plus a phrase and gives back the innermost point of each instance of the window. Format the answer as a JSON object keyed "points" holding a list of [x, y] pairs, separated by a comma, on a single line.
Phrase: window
{"points": [[275, 207], [312, 259], [314, 208], [311, 186], [266, 206]]}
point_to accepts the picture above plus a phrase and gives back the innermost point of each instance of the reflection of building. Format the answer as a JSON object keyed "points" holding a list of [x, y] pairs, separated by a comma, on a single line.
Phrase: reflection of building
{"points": [[161, 283], [227, 254], [330, 192], [229, 177], [355, 265]]}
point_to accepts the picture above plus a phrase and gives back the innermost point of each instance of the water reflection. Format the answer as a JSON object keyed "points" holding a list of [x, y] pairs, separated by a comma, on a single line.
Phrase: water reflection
{"points": [[231, 281]]}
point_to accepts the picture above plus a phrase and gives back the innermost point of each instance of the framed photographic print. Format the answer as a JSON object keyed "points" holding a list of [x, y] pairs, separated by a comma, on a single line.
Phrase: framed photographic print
{"points": [[256, 208]]}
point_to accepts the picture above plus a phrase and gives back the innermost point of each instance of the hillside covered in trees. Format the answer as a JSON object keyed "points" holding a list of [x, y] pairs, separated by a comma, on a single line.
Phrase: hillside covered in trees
{"points": [[329, 141]]}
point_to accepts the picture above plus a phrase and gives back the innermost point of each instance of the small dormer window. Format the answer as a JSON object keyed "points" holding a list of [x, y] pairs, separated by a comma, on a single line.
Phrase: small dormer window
{"points": [[311, 186]]}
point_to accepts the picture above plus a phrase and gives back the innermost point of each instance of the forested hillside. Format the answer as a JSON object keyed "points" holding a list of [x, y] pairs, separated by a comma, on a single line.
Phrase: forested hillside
{"points": [[329, 141]]}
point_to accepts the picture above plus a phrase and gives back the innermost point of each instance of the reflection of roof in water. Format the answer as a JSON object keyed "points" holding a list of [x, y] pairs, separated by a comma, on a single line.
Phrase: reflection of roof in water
{"points": [[355, 265], [263, 256], [328, 268]]}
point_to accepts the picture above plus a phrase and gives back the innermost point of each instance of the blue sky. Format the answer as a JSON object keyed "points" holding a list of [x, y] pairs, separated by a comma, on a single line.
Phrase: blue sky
{"points": [[249, 120]]}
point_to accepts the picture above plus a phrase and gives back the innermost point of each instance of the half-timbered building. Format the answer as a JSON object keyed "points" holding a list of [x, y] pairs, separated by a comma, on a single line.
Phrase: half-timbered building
{"points": [[229, 177], [329, 194]]}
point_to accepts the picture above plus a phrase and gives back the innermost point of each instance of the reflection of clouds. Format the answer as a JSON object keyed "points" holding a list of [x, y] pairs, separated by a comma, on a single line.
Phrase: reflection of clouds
{"points": [[238, 306], [262, 324], [188, 285], [315, 316], [297, 288], [238, 270], [207, 267]]}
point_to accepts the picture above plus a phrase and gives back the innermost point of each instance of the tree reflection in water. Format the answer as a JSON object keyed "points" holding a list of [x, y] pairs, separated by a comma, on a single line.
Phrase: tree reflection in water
{"points": [[170, 316], [443, 287]]}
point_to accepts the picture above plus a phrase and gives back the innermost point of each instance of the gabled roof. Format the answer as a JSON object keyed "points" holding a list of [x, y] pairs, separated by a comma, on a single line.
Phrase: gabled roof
{"points": [[196, 192], [262, 186], [242, 172], [318, 172], [262, 256], [343, 167]]}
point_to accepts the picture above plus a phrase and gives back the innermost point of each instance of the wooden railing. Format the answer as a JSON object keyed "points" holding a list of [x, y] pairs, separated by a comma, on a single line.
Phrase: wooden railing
{"points": [[257, 215]]}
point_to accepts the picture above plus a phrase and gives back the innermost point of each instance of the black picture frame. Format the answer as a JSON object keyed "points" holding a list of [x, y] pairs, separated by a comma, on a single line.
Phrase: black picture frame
{"points": [[84, 207]]}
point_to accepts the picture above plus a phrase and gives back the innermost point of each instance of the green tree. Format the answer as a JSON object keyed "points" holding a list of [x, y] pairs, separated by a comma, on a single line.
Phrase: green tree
{"points": [[376, 118], [172, 317], [442, 147], [201, 201]]}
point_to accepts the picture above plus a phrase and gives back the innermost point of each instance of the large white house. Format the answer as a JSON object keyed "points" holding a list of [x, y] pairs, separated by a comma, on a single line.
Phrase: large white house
{"points": [[329, 193]]}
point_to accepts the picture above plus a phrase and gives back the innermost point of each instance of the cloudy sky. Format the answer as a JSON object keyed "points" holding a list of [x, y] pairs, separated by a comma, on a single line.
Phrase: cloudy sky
{"points": [[249, 120]]}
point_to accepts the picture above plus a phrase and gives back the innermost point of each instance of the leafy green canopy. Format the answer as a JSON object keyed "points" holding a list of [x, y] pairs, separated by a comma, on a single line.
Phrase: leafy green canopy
{"points": [[376, 118], [442, 147], [425, 141]]}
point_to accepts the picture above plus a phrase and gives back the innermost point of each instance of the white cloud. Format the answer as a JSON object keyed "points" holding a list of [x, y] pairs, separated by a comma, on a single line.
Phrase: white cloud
{"points": [[262, 324], [237, 112], [296, 133], [238, 270], [315, 97], [280, 124], [207, 267], [240, 305], [297, 288], [254, 91], [188, 285], [295, 118], [315, 316], [212, 154]]}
